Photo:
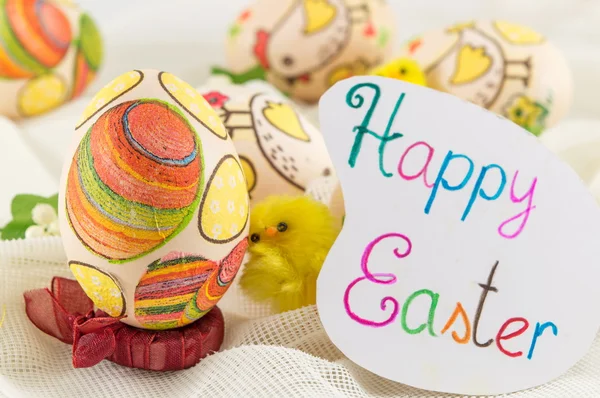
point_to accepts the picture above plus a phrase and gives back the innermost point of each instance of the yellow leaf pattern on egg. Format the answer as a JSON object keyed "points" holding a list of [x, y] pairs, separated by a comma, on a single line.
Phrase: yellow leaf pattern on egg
{"points": [[100, 287], [224, 208], [41, 95], [193, 102], [110, 92]]}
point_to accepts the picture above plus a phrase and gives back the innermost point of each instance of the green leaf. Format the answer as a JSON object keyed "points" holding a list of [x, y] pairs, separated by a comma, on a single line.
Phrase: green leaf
{"points": [[21, 208], [14, 230], [255, 73]]}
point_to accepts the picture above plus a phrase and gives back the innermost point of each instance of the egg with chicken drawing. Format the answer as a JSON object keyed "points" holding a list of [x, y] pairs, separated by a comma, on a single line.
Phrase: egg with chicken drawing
{"points": [[305, 46], [280, 151], [505, 67], [153, 206]]}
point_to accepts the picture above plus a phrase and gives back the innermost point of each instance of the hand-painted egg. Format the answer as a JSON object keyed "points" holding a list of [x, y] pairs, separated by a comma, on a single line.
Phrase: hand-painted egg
{"points": [[305, 46], [507, 68], [50, 52], [153, 205], [280, 151]]}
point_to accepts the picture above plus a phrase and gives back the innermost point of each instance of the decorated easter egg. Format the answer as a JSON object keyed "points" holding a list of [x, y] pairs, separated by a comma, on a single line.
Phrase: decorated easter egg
{"points": [[280, 151], [50, 51], [153, 205], [507, 68], [305, 46]]}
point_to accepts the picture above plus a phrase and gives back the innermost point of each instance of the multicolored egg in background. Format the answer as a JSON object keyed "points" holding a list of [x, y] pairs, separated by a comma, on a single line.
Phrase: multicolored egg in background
{"points": [[280, 150], [505, 67], [50, 51], [305, 46], [153, 206]]}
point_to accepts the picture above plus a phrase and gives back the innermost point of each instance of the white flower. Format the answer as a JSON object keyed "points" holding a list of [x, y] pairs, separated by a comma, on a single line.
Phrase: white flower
{"points": [[191, 92], [218, 182], [231, 206], [46, 222], [215, 206], [232, 182], [217, 230], [96, 280], [43, 214]]}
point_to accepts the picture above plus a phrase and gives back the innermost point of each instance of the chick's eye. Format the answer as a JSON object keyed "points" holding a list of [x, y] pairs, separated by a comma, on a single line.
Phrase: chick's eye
{"points": [[282, 227], [403, 71], [254, 238]]}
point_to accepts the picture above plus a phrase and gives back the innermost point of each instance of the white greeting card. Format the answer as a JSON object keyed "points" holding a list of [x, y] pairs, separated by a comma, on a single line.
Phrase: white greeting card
{"points": [[468, 261]]}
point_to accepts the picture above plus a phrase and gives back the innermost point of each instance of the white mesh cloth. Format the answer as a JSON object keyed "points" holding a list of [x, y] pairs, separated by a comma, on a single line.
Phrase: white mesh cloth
{"points": [[263, 354]]}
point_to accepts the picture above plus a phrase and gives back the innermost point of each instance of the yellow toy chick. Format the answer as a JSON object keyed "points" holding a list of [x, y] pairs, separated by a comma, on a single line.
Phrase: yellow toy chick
{"points": [[405, 69], [290, 238]]}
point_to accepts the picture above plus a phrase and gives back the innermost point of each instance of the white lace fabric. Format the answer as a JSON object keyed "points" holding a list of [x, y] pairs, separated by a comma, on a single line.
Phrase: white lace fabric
{"points": [[263, 355]]}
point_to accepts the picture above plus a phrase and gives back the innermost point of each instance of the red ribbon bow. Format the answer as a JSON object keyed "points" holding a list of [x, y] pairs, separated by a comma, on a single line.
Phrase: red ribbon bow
{"points": [[66, 313]]}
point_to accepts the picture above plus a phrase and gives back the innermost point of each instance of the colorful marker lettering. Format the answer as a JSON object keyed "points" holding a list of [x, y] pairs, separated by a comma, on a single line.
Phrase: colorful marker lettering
{"points": [[429, 325], [442, 180], [486, 288], [459, 310], [423, 171], [525, 213], [501, 336], [356, 100], [479, 191], [379, 278], [539, 329]]}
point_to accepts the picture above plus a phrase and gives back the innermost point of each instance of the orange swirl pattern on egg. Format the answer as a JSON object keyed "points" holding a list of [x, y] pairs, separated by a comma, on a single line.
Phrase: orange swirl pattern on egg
{"points": [[180, 288], [135, 179], [35, 35]]}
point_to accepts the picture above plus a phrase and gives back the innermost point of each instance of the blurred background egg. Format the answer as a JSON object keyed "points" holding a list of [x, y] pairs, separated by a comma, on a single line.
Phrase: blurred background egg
{"points": [[281, 152], [153, 206], [50, 51], [305, 46], [502, 66]]}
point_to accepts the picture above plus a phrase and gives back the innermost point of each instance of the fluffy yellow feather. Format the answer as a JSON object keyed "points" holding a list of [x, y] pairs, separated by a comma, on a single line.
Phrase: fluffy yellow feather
{"points": [[405, 69], [290, 238]]}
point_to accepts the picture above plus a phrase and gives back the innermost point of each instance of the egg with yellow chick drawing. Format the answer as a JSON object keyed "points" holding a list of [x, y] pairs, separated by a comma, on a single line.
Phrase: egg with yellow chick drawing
{"points": [[50, 52], [153, 206], [306, 46], [507, 68], [281, 152]]}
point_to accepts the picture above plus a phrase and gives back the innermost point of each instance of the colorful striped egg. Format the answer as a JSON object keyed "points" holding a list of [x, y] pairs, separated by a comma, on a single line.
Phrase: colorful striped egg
{"points": [[134, 177], [49, 53], [36, 35], [153, 206]]}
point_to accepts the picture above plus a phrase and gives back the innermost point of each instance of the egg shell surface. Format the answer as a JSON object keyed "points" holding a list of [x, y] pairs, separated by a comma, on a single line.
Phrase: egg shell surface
{"points": [[153, 206]]}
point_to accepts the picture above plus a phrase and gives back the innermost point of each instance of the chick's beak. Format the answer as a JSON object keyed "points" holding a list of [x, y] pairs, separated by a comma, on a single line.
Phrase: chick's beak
{"points": [[271, 232]]}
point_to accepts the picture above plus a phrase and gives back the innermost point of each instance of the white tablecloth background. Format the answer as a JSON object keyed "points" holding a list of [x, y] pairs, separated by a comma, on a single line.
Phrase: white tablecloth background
{"points": [[286, 355]]}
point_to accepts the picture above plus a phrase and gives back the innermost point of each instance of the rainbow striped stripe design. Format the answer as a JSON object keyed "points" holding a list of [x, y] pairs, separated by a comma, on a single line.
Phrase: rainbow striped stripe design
{"points": [[135, 179], [89, 55], [180, 288], [35, 35]]}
